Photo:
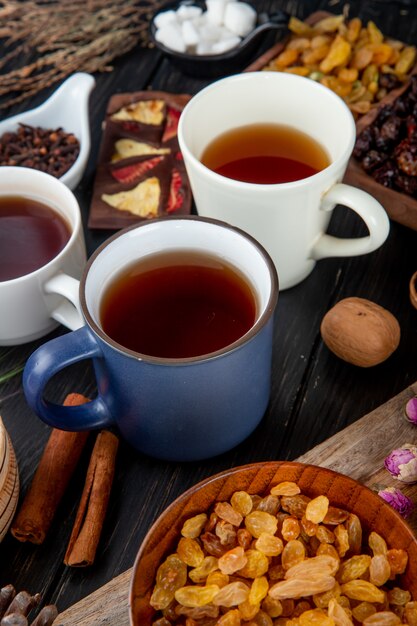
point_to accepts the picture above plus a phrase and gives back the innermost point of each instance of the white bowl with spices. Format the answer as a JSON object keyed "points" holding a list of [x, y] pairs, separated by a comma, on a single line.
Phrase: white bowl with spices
{"points": [[66, 109]]}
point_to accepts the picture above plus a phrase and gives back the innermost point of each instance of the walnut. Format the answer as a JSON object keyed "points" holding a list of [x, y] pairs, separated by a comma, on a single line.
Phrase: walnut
{"points": [[360, 332]]}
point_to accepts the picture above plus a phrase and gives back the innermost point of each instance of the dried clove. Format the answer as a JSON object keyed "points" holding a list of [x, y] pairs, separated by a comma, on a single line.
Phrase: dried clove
{"points": [[44, 149]]}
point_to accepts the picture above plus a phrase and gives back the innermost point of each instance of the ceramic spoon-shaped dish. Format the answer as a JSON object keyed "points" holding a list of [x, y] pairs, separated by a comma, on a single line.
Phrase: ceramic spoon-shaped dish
{"points": [[66, 108]]}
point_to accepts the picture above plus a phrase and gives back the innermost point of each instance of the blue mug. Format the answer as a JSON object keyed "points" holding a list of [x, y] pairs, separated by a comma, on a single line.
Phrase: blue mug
{"points": [[180, 409]]}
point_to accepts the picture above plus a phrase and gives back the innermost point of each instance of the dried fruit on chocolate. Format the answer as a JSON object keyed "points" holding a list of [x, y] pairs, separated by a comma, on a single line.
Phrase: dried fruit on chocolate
{"points": [[144, 111], [176, 193], [130, 173], [171, 124], [126, 148], [142, 200]]}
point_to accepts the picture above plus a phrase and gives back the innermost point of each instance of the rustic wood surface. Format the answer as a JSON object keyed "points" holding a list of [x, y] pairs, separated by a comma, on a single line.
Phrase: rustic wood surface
{"points": [[314, 395], [357, 451]]}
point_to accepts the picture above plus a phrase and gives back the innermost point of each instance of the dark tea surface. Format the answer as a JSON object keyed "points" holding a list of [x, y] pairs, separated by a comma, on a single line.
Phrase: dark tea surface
{"points": [[265, 154], [31, 235], [177, 305]]}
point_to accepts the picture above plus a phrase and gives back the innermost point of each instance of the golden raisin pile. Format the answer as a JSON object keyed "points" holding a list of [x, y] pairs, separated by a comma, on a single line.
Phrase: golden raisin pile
{"points": [[355, 60], [280, 560]]}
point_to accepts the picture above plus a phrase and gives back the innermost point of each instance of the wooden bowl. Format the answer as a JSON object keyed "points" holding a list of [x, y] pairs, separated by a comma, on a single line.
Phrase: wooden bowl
{"points": [[257, 478], [9, 481]]}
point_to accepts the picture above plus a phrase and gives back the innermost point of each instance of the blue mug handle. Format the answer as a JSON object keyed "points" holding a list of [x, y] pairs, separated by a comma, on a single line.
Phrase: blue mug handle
{"points": [[51, 358]]}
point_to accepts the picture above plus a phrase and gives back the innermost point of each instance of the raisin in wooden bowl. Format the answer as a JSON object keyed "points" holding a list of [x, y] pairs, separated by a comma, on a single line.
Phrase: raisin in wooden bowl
{"points": [[350, 503]]}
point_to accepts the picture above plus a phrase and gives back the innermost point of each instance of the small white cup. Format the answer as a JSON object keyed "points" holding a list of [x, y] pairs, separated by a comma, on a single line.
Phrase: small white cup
{"points": [[30, 305], [288, 219]]}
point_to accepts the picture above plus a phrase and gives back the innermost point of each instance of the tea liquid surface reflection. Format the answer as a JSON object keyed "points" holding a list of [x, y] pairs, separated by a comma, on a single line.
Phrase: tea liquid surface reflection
{"points": [[265, 154], [177, 305], [31, 235]]}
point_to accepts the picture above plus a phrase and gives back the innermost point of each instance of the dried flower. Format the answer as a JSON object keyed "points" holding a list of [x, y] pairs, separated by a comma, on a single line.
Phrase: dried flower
{"points": [[411, 410], [397, 500], [402, 463]]}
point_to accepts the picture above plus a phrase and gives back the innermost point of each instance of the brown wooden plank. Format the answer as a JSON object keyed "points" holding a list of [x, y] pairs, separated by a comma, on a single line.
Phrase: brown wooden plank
{"points": [[357, 451], [106, 606]]}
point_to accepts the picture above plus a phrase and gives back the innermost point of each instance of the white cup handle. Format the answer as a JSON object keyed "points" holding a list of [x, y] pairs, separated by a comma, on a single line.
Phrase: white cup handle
{"points": [[68, 311], [368, 208]]}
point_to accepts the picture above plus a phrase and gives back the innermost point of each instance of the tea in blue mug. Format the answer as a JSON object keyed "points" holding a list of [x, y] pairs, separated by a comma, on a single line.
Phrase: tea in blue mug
{"points": [[177, 315]]}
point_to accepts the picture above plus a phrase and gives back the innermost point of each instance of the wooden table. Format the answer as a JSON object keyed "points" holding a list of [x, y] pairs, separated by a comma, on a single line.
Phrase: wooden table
{"points": [[314, 395]]}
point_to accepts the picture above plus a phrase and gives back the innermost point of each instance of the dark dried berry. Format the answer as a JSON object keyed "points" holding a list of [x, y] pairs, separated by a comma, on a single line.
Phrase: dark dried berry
{"points": [[391, 128], [388, 81], [384, 113], [364, 142], [406, 184], [385, 175], [406, 157], [411, 125], [373, 159], [402, 106], [413, 86]]}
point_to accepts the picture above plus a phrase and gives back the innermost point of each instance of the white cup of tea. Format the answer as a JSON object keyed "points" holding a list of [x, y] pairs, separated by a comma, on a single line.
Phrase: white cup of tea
{"points": [[41, 248], [284, 142]]}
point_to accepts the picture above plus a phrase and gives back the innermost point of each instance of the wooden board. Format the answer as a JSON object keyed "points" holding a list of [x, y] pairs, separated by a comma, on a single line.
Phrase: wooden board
{"points": [[400, 207], [357, 451]]}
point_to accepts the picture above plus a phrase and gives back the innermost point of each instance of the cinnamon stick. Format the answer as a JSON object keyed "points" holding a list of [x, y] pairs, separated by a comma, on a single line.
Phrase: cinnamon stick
{"points": [[89, 520], [50, 481]]}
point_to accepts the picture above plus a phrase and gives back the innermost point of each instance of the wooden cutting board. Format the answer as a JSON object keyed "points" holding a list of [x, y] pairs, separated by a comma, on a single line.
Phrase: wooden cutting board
{"points": [[357, 451]]}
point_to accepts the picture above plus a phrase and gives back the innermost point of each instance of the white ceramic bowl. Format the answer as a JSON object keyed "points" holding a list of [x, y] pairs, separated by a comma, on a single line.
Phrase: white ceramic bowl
{"points": [[66, 108], [9, 481]]}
